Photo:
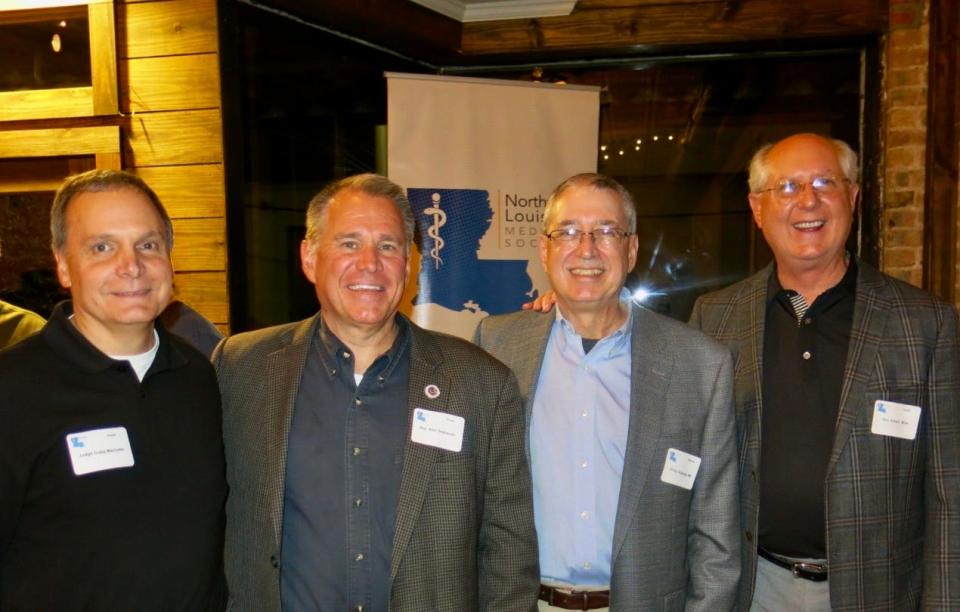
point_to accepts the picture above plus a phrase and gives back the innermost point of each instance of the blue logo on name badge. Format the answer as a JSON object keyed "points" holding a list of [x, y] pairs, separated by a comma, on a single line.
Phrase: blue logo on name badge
{"points": [[881, 408], [673, 456], [75, 442], [421, 416]]}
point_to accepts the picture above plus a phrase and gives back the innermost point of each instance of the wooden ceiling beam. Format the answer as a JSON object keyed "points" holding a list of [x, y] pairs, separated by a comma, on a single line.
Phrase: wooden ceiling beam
{"points": [[623, 26]]}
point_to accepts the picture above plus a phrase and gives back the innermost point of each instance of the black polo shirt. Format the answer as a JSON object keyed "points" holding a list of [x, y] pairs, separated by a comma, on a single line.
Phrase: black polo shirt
{"points": [[344, 460], [803, 362], [147, 536]]}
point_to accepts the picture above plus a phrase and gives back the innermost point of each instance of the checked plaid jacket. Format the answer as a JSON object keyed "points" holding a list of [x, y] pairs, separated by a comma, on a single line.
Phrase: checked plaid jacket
{"points": [[893, 505]]}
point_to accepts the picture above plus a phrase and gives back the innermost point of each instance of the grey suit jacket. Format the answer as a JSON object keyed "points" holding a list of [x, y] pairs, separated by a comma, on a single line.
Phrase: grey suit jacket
{"points": [[464, 536], [893, 505], [673, 549]]}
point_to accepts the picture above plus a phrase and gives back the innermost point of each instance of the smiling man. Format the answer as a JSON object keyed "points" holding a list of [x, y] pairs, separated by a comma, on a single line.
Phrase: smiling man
{"points": [[373, 465], [631, 429], [847, 401], [111, 465]]}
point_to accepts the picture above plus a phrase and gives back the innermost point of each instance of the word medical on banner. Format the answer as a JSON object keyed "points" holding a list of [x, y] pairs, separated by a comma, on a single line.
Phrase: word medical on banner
{"points": [[479, 158]]}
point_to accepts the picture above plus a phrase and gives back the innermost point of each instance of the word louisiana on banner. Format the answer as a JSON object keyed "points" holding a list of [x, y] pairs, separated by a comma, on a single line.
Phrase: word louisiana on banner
{"points": [[479, 158]]}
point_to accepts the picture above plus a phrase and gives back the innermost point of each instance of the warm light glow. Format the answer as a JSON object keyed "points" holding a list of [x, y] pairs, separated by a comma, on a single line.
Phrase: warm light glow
{"points": [[55, 43], [603, 147], [655, 137], [670, 137], [605, 156], [63, 24], [620, 151]]}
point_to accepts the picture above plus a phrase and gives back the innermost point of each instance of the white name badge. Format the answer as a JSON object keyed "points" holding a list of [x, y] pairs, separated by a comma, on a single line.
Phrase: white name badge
{"points": [[897, 420], [437, 429], [99, 449], [680, 468]]}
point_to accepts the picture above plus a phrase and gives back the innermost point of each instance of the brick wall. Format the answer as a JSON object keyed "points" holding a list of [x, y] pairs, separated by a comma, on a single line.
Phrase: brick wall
{"points": [[904, 140]]}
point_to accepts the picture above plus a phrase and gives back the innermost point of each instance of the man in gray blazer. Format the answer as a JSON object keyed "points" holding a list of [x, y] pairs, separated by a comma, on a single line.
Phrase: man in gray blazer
{"points": [[372, 464], [847, 402], [631, 429]]}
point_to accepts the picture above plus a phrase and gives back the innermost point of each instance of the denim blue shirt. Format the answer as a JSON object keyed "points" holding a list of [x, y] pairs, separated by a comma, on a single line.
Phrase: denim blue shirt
{"points": [[344, 460], [578, 435]]}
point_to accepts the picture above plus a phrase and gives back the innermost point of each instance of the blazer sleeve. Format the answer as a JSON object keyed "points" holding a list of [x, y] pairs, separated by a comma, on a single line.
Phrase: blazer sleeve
{"points": [[509, 573], [713, 541], [941, 552]]}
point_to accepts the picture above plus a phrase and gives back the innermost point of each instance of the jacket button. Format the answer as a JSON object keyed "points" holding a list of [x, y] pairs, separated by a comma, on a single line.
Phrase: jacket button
{"points": [[749, 535], [274, 561]]}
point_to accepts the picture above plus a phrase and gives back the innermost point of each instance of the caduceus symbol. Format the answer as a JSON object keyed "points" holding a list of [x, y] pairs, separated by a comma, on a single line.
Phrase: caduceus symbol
{"points": [[439, 220]]}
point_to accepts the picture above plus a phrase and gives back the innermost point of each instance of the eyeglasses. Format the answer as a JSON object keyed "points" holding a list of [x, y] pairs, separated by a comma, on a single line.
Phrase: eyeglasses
{"points": [[603, 237], [789, 189]]}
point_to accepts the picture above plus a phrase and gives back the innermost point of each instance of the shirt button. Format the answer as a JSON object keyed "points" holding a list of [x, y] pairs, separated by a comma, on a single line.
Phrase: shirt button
{"points": [[357, 450], [584, 515], [584, 464], [358, 502], [586, 565], [359, 557], [333, 372], [357, 402], [807, 320], [806, 355], [583, 414], [358, 608], [346, 355]]}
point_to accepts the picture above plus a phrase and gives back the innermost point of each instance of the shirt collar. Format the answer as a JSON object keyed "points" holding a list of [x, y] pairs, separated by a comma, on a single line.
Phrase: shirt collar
{"points": [[336, 355], [846, 286], [607, 345]]}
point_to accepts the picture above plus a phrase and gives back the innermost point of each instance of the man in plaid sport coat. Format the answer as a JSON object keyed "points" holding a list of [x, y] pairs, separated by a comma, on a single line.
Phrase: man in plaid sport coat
{"points": [[340, 495], [890, 490]]}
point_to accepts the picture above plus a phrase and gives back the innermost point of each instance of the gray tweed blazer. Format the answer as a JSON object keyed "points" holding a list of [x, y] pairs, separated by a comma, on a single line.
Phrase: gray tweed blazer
{"points": [[893, 505], [673, 549], [464, 536]]}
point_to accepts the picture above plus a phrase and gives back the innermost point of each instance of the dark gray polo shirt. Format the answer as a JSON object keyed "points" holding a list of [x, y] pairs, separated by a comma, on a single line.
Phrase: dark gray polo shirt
{"points": [[343, 474]]}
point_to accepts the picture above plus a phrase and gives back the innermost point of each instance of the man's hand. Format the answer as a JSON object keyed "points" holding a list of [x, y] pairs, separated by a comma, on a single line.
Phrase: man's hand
{"points": [[543, 303]]}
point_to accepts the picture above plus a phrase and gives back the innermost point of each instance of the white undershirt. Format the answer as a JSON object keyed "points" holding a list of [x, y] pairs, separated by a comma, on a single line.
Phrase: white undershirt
{"points": [[141, 362]]}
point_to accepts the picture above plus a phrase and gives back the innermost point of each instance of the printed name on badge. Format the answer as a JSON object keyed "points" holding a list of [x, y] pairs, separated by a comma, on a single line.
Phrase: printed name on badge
{"points": [[897, 420], [99, 449], [437, 429], [680, 468]]}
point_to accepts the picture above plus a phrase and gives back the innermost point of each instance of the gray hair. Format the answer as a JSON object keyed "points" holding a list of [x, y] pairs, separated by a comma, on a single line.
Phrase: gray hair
{"points": [[594, 181], [97, 181], [759, 172], [370, 184]]}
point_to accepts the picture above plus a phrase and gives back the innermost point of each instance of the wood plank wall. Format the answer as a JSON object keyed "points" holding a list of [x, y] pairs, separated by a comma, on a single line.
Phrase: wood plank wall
{"points": [[172, 136]]}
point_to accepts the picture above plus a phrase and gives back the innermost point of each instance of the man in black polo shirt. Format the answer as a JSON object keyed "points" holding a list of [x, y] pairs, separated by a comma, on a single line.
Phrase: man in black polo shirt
{"points": [[847, 391], [111, 461]]}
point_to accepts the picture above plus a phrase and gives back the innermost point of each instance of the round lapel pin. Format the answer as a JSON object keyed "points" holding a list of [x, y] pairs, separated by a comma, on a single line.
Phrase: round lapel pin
{"points": [[432, 391]]}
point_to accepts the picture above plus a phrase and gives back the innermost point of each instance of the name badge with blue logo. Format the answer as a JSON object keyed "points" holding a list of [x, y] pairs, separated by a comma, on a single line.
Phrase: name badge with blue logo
{"points": [[680, 468], [897, 420], [99, 449], [437, 429]]}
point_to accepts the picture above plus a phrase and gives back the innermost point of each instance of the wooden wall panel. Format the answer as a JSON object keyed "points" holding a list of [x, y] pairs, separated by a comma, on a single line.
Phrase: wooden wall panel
{"points": [[199, 245], [177, 82], [59, 141], [103, 58], [187, 191], [167, 28], [188, 137], [206, 292]]}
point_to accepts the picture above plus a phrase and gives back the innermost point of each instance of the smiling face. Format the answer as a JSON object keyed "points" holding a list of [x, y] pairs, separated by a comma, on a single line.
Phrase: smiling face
{"points": [[358, 264], [809, 231], [585, 276], [116, 264]]}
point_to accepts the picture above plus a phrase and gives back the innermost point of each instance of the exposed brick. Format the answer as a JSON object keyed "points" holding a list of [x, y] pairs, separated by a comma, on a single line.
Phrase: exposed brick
{"points": [[898, 138], [904, 17], [902, 217], [901, 257], [898, 199], [908, 178], [907, 38], [907, 96], [912, 56], [904, 157], [907, 117], [906, 77], [904, 238]]}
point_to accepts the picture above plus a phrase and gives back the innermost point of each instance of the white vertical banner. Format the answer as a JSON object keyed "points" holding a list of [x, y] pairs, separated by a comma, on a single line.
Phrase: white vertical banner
{"points": [[479, 158]]}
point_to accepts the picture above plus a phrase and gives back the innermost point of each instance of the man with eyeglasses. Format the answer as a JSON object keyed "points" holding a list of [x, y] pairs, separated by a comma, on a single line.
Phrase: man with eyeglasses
{"points": [[630, 425], [847, 401]]}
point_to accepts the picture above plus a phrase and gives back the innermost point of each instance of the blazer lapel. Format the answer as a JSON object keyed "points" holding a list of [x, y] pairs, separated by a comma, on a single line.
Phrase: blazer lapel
{"points": [[870, 312], [532, 343], [649, 378], [418, 459], [284, 369]]}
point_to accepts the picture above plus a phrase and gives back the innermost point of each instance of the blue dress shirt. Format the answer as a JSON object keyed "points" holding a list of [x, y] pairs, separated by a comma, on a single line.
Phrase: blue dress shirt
{"points": [[578, 436]]}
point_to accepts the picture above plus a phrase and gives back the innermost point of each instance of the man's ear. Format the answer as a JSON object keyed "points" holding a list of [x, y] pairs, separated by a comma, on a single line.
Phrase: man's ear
{"points": [[63, 272], [308, 260], [756, 206]]}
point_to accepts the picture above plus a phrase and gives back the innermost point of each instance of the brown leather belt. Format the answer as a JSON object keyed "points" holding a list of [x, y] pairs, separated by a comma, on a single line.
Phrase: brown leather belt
{"points": [[574, 600], [800, 569]]}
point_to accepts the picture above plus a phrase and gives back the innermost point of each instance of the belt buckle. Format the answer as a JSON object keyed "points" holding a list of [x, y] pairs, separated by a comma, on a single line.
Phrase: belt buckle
{"points": [[801, 567]]}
